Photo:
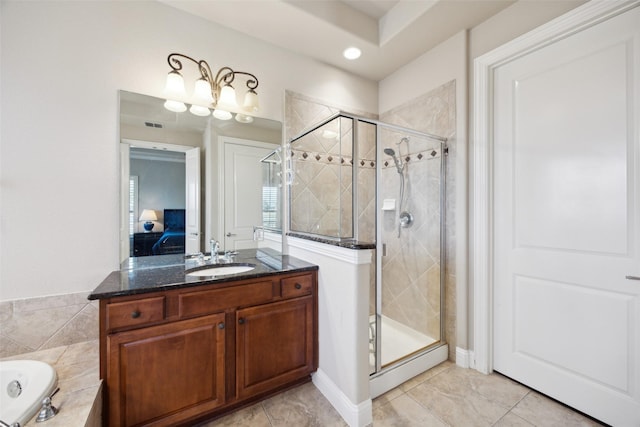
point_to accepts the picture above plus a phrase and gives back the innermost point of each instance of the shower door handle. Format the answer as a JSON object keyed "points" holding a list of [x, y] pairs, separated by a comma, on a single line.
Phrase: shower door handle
{"points": [[632, 278]]}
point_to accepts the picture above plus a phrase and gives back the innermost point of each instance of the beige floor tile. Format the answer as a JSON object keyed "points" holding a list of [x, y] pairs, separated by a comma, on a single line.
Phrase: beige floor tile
{"points": [[512, 420], [403, 411], [302, 406], [383, 399], [456, 404], [408, 385], [494, 387], [539, 410], [253, 416]]}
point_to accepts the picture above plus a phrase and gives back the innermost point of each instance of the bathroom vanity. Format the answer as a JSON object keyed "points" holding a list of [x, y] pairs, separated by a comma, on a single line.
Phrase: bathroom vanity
{"points": [[177, 348]]}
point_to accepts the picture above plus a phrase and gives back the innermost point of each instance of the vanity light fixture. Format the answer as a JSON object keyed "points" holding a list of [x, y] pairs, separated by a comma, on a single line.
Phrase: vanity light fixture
{"points": [[210, 93], [352, 53]]}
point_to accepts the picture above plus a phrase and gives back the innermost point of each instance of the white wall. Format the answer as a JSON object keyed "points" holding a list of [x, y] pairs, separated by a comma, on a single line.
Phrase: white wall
{"points": [[62, 66]]}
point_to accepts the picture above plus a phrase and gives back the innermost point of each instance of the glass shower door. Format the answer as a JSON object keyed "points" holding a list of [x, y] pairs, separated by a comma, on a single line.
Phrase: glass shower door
{"points": [[406, 316]]}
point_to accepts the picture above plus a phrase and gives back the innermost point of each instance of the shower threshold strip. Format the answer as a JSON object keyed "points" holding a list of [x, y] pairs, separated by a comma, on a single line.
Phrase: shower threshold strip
{"points": [[400, 341]]}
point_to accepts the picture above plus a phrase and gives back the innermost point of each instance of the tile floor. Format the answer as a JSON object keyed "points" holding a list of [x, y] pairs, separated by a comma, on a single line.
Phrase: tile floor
{"points": [[443, 396]]}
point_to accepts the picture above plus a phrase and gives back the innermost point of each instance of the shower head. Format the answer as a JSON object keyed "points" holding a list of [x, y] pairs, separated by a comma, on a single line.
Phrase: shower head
{"points": [[399, 166]]}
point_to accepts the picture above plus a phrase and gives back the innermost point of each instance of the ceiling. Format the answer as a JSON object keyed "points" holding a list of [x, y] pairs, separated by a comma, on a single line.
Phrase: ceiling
{"points": [[390, 33]]}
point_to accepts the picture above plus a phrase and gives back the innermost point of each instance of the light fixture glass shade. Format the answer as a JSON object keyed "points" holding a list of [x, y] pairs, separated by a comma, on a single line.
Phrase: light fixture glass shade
{"points": [[199, 110], [251, 103], [243, 118], [148, 215], [175, 106], [228, 98], [174, 88], [222, 114], [202, 92]]}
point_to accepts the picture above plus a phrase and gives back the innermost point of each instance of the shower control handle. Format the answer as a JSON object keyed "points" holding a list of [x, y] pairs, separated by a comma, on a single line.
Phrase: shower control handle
{"points": [[633, 278]]}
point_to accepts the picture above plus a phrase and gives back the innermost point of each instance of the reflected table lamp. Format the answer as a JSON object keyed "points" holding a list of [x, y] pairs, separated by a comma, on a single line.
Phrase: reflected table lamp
{"points": [[148, 215]]}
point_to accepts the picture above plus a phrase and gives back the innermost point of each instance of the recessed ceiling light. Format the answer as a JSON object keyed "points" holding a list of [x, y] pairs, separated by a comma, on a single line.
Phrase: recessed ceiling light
{"points": [[352, 53]]}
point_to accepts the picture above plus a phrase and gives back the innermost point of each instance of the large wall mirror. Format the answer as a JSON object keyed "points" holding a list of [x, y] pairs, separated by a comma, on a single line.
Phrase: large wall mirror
{"points": [[187, 179]]}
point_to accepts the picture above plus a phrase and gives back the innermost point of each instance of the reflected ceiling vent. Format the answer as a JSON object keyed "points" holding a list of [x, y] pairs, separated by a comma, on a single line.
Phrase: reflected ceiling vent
{"points": [[153, 125]]}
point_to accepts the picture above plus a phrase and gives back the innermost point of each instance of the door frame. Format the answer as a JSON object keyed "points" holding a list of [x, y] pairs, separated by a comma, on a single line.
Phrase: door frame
{"points": [[481, 256], [124, 147]]}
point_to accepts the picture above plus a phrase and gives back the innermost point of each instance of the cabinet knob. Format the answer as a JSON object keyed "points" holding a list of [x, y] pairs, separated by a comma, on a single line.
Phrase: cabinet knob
{"points": [[135, 314], [221, 325], [298, 286], [241, 320]]}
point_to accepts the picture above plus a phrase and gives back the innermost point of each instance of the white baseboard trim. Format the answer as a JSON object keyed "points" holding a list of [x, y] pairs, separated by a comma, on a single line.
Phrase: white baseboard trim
{"points": [[356, 415], [462, 357], [472, 360]]}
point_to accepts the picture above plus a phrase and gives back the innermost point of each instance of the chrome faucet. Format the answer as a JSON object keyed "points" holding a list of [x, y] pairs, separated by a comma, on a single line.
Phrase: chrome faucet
{"points": [[215, 248]]}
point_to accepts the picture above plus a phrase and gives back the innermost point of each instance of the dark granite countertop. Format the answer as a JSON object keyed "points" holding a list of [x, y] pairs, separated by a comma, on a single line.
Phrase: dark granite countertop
{"points": [[157, 273], [343, 243]]}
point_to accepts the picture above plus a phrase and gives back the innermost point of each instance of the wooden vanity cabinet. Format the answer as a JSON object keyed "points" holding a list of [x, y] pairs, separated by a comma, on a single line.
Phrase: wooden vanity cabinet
{"points": [[171, 358], [274, 345]]}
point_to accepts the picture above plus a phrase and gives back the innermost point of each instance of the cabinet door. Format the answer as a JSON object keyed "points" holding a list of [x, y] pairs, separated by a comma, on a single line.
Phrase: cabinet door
{"points": [[274, 345], [163, 374]]}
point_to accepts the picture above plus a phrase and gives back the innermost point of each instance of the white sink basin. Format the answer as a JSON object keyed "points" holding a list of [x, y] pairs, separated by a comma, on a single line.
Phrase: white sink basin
{"points": [[221, 270]]}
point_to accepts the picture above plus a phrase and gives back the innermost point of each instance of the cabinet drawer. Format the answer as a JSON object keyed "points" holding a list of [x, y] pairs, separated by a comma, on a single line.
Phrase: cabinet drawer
{"points": [[134, 313], [296, 286], [211, 301]]}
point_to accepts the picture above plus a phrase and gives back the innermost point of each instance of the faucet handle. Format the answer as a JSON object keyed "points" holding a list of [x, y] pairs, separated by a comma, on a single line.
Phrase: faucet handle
{"points": [[48, 410]]}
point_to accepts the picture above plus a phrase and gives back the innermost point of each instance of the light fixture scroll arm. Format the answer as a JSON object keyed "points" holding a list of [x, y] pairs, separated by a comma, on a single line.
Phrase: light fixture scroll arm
{"points": [[227, 75], [224, 74], [252, 83], [176, 64]]}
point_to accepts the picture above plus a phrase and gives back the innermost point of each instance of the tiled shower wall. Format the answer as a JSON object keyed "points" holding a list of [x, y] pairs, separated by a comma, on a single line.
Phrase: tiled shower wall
{"points": [[411, 288], [45, 322], [322, 190], [412, 270]]}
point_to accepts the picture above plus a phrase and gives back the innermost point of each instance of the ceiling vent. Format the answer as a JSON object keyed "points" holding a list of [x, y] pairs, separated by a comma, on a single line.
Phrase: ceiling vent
{"points": [[153, 125]]}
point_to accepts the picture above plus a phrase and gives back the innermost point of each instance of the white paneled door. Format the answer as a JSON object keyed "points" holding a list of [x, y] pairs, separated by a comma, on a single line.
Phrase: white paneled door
{"points": [[566, 220], [243, 191]]}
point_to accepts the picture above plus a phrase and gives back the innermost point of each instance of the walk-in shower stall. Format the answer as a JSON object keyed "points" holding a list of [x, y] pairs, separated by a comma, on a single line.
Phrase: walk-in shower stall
{"points": [[363, 183]]}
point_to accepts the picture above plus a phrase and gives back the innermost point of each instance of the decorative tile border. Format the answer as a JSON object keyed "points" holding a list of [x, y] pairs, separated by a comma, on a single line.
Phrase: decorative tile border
{"points": [[336, 159]]}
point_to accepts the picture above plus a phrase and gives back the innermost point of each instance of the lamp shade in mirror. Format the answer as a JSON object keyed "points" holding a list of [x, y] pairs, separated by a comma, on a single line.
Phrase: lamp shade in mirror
{"points": [[148, 215]]}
